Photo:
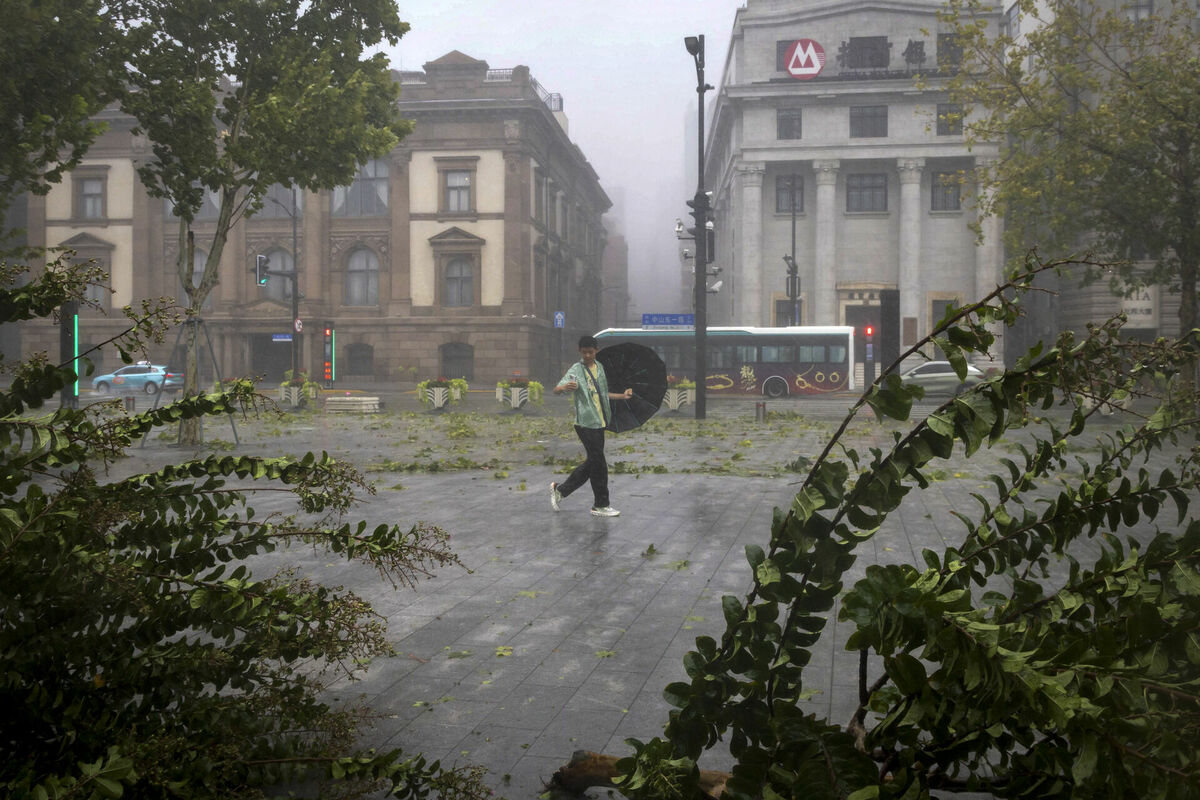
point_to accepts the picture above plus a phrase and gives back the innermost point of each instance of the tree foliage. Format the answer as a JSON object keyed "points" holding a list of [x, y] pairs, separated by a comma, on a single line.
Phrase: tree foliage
{"points": [[237, 96], [1051, 651], [1097, 108], [60, 68], [139, 655]]}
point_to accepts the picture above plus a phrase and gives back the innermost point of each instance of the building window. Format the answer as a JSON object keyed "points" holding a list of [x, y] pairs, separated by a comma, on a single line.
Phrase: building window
{"points": [[868, 121], [456, 184], [947, 192], [1010, 22], [362, 278], [949, 119], [539, 197], [367, 196], [458, 191], [789, 194], [459, 283], [210, 207], [280, 202], [866, 192], [278, 287], [360, 359], [949, 52], [787, 123], [867, 52], [1139, 10], [89, 198], [458, 360], [98, 294]]}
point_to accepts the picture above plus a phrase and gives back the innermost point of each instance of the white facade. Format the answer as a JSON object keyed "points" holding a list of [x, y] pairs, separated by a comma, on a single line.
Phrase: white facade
{"points": [[883, 228]]}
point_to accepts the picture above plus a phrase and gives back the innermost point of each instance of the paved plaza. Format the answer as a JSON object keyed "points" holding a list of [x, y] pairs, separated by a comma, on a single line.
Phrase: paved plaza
{"points": [[563, 628]]}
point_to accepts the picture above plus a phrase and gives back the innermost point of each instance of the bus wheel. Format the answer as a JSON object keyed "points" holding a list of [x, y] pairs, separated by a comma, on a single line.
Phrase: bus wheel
{"points": [[775, 387]]}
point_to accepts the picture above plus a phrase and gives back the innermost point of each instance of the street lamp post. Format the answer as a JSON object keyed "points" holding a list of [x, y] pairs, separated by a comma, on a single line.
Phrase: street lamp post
{"points": [[699, 204]]}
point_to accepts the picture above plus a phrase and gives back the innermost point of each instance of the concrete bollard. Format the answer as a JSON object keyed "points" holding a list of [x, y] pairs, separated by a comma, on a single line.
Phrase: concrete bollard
{"points": [[131, 404], [760, 411]]}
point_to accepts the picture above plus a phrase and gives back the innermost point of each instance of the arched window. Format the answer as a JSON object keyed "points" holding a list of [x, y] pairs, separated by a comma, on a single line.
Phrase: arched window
{"points": [[458, 360], [278, 287], [362, 278], [460, 283], [360, 359]]}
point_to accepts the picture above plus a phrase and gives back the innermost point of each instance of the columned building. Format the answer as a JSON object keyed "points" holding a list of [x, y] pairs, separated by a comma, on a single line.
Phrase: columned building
{"points": [[449, 256], [833, 142]]}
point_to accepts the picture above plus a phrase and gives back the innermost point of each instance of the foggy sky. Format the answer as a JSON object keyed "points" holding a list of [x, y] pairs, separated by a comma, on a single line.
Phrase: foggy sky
{"points": [[626, 82]]}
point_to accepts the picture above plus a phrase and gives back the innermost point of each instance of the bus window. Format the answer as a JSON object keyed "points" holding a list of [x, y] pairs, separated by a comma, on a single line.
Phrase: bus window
{"points": [[811, 354], [837, 354], [670, 354], [721, 357], [778, 353], [746, 354]]}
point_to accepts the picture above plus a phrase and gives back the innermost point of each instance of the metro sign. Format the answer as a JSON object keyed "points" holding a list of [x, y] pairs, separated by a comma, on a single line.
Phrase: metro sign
{"points": [[805, 59]]}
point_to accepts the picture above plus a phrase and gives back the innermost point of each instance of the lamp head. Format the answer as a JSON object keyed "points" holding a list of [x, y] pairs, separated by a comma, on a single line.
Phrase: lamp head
{"points": [[693, 44], [678, 227]]}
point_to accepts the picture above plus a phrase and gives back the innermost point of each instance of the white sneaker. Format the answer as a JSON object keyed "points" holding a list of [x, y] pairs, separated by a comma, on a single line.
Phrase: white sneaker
{"points": [[607, 511], [555, 496]]}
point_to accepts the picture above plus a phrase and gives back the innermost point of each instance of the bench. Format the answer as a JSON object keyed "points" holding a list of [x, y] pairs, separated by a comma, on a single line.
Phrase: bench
{"points": [[352, 404]]}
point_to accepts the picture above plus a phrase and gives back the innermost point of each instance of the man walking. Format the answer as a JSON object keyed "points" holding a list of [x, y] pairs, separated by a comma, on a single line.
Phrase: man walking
{"points": [[589, 386]]}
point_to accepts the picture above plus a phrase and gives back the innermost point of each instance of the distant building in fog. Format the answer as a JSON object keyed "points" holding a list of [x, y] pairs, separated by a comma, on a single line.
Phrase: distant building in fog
{"points": [[818, 123], [448, 256]]}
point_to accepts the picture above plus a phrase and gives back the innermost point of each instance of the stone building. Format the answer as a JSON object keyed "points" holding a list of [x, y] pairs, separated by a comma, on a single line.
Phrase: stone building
{"points": [[448, 256], [832, 141]]}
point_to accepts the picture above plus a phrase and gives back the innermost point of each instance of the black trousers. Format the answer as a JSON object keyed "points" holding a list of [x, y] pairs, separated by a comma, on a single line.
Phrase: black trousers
{"points": [[594, 469]]}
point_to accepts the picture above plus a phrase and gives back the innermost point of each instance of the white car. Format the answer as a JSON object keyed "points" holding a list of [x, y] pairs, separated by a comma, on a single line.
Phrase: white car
{"points": [[939, 377]]}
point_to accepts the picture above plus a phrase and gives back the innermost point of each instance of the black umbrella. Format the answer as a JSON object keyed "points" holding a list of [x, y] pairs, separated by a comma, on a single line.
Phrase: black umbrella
{"points": [[637, 367]]}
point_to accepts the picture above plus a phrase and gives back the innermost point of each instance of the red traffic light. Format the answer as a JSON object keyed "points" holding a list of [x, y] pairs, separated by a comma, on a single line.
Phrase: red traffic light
{"points": [[870, 330], [329, 331]]}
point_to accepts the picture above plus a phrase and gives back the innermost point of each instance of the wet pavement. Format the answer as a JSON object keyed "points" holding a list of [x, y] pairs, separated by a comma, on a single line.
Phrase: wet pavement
{"points": [[563, 628]]}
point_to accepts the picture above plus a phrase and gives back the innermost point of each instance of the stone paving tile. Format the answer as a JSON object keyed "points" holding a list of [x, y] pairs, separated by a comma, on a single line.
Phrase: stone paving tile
{"points": [[563, 629]]}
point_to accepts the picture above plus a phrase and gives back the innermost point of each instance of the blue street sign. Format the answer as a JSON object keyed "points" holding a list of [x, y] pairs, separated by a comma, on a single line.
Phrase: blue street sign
{"points": [[281, 337], [560, 319], [668, 320]]}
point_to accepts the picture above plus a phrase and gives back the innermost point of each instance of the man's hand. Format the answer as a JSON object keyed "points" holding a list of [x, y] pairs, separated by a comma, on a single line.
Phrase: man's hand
{"points": [[569, 386], [628, 394]]}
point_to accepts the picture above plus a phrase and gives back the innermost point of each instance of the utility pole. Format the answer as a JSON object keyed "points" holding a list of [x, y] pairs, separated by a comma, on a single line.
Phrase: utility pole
{"points": [[699, 204]]}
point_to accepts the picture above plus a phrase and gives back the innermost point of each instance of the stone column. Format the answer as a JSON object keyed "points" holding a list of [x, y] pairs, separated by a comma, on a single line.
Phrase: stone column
{"points": [[989, 256], [911, 291], [824, 298], [751, 310]]}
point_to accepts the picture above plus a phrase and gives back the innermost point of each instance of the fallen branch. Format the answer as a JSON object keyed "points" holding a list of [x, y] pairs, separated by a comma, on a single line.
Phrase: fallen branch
{"points": [[586, 770]]}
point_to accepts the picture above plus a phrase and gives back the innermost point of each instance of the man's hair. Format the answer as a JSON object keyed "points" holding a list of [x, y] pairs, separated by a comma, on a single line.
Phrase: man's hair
{"points": [[588, 341]]}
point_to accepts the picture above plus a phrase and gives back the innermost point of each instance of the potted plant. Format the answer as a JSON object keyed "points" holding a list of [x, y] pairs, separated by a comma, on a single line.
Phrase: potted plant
{"points": [[516, 391], [294, 391], [440, 392], [680, 391]]}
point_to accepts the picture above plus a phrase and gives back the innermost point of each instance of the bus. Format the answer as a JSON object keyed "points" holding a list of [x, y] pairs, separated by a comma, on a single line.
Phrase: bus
{"points": [[774, 362]]}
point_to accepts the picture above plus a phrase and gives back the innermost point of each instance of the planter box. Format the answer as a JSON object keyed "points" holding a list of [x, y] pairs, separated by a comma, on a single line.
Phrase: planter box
{"points": [[438, 396], [293, 395], [514, 396], [674, 398]]}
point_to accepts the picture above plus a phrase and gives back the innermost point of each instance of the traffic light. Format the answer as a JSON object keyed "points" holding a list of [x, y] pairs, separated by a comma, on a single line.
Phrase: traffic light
{"points": [[261, 267], [328, 362], [793, 286], [870, 331]]}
